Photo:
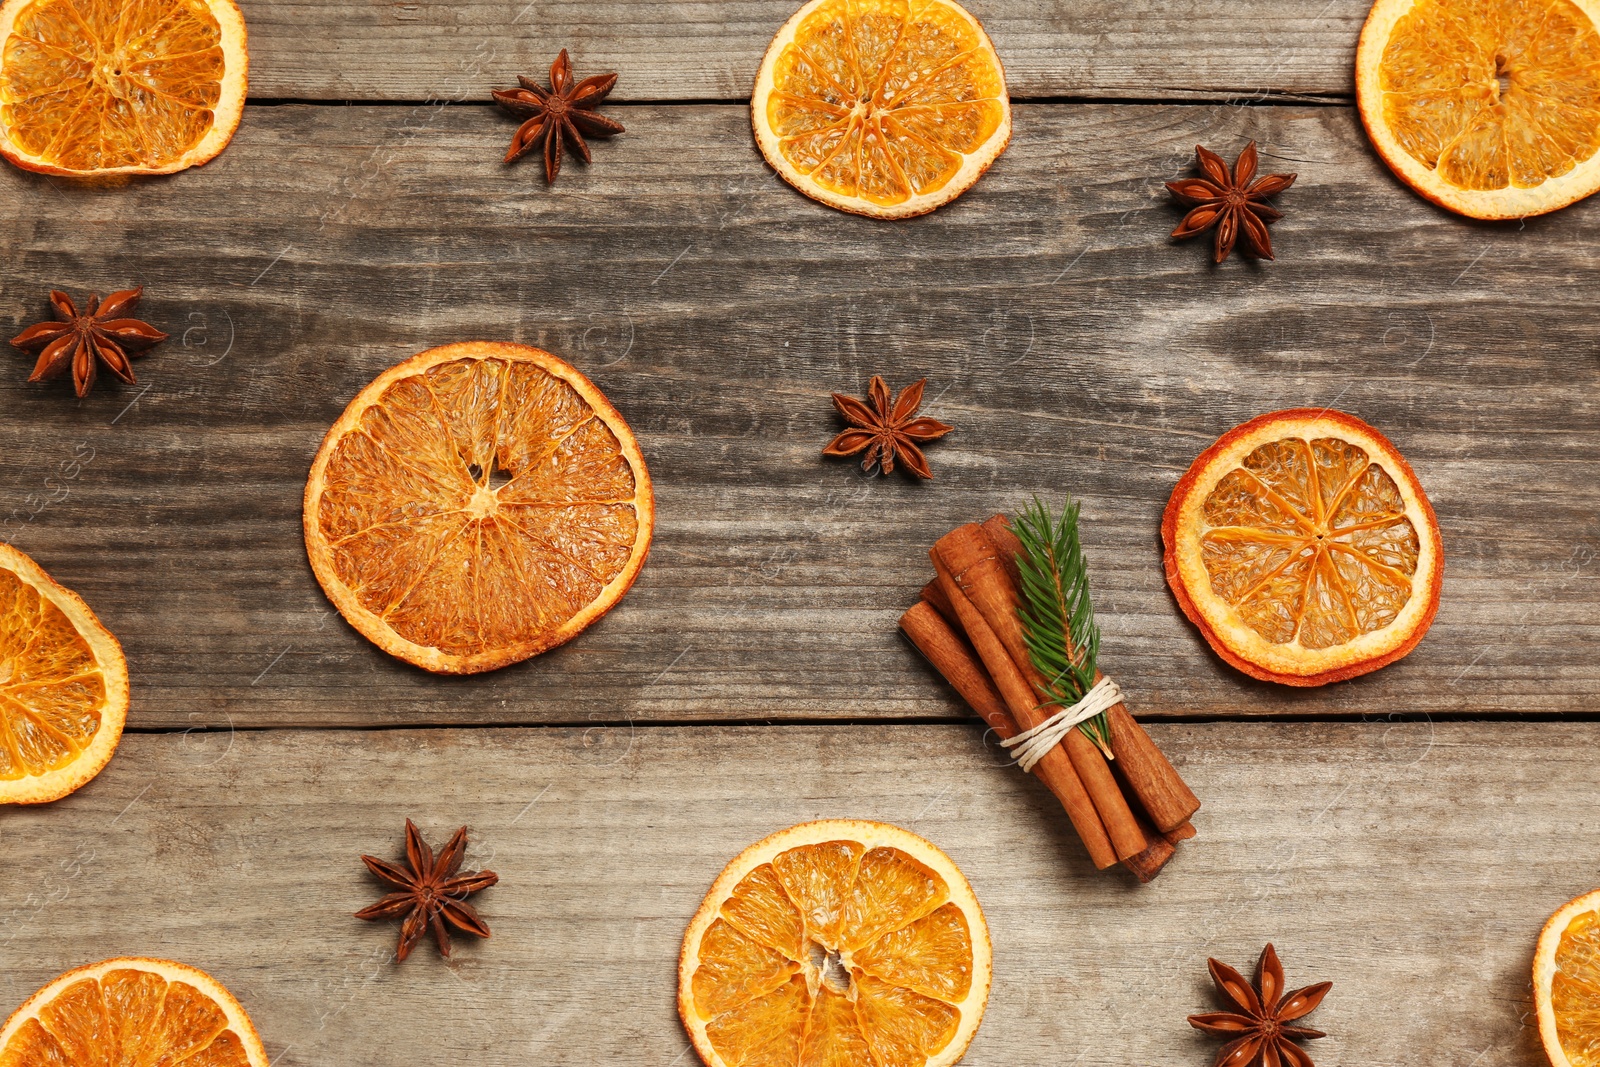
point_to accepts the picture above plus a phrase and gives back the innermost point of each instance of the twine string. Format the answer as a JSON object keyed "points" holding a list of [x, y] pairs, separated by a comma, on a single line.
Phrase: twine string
{"points": [[1030, 746]]}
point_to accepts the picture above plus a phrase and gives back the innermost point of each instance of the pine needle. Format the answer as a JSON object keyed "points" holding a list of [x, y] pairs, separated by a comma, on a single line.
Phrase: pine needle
{"points": [[1056, 611]]}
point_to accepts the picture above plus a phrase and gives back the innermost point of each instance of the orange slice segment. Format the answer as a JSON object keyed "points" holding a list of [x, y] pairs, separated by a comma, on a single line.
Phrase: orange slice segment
{"points": [[477, 504], [840, 943], [100, 87], [1303, 547], [887, 108], [1490, 108], [63, 686], [1566, 983], [131, 1011]]}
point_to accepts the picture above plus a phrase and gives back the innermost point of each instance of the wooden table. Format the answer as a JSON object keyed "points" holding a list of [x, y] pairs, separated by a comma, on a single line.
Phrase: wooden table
{"points": [[1403, 835]]}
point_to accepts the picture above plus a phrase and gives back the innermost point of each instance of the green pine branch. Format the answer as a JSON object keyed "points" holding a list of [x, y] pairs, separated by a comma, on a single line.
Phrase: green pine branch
{"points": [[1057, 612]]}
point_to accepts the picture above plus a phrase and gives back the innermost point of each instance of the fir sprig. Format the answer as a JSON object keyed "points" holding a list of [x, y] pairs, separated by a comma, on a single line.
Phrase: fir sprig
{"points": [[1056, 611]]}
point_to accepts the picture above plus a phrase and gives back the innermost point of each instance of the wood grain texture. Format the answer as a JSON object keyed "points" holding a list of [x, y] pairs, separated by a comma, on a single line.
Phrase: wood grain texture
{"points": [[333, 50], [1075, 348], [1412, 865]]}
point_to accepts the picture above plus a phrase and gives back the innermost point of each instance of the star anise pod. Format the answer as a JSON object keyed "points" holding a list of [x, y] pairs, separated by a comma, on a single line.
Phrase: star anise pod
{"points": [[103, 333], [886, 430], [1259, 1029], [559, 115], [431, 892], [1234, 202]]}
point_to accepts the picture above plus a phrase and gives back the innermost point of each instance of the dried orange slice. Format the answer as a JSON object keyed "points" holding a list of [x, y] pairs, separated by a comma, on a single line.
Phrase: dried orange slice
{"points": [[131, 1011], [887, 108], [63, 686], [838, 943], [1303, 547], [1490, 108], [102, 87], [1566, 983], [477, 504]]}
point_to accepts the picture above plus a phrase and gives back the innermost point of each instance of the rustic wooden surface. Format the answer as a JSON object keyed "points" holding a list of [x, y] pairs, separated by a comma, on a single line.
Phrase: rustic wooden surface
{"points": [[1075, 348], [1410, 864], [753, 678]]}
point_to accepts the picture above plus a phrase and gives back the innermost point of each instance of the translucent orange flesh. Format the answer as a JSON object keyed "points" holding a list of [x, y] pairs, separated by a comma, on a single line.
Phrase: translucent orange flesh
{"points": [[836, 955], [51, 688], [478, 505], [97, 84], [1309, 541], [877, 100], [1575, 990], [1494, 93], [126, 1018]]}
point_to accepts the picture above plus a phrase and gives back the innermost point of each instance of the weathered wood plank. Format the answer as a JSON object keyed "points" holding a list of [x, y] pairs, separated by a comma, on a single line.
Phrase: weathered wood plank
{"points": [[1074, 347], [1385, 858], [328, 50]]}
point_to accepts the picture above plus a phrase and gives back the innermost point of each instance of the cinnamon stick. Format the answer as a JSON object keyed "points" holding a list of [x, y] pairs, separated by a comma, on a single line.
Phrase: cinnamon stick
{"points": [[1121, 824], [1147, 864], [954, 658], [1161, 791], [1163, 794], [1056, 769], [941, 603], [974, 561], [976, 564], [998, 527]]}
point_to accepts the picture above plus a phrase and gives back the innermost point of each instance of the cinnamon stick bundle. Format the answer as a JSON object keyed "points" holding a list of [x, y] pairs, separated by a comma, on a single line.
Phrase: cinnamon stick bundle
{"points": [[931, 630], [1166, 798], [967, 626], [1061, 774]]}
